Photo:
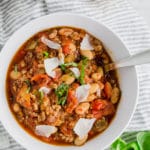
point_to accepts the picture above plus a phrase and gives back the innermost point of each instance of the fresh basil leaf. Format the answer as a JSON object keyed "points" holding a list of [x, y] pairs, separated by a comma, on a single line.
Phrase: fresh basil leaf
{"points": [[62, 92], [28, 89], [28, 84], [41, 96], [62, 100], [64, 66], [45, 54]]}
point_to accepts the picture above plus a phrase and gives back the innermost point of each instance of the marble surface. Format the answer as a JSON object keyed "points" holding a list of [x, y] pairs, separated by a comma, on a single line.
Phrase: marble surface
{"points": [[143, 9]]}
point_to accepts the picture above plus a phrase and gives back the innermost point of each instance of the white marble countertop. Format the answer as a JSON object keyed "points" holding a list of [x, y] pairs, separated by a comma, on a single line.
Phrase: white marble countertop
{"points": [[143, 9]]}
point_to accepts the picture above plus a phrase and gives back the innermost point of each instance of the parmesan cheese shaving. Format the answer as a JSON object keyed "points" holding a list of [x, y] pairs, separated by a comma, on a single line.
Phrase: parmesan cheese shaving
{"points": [[83, 126], [82, 92], [75, 71], [45, 90], [85, 44], [50, 64], [45, 130], [50, 43]]}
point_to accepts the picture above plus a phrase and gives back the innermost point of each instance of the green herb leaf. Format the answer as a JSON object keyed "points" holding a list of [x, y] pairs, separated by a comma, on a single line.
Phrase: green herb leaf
{"points": [[28, 84], [28, 89], [62, 100], [45, 54], [62, 92], [63, 66], [41, 94], [82, 73], [41, 97]]}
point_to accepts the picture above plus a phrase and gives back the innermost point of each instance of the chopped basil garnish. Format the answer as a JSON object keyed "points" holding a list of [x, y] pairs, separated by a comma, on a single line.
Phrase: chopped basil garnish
{"points": [[41, 96], [29, 85], [62, 92], [45, 54], [63, 66]]}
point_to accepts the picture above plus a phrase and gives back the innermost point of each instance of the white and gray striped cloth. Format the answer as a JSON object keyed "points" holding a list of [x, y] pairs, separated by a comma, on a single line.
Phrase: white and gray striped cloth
{"points": [[117, 14]]}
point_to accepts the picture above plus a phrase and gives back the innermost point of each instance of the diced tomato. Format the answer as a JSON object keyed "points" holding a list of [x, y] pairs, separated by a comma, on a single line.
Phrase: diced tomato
{"points": [[58, 74], [97, 107], [97, 114], [66, 49], [74, 86], [98, 104], [102, 108], [23, 98], [72, 101], [27, 101], [42, 79]]}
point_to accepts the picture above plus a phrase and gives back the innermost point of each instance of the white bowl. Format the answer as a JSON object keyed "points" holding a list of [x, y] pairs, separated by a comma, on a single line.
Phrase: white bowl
{"points": [[127, 77]]}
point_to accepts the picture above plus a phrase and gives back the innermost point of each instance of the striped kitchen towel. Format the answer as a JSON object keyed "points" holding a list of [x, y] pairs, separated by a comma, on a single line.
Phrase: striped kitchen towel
{"points": [[117, 14]]}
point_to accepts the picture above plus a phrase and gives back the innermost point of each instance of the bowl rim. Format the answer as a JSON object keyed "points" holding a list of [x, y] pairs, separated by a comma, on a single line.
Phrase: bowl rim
{"points": [[4, 122]]}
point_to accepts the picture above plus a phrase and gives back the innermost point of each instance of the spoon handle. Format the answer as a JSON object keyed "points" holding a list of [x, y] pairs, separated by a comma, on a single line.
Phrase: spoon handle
{"points": [[137, 59]]}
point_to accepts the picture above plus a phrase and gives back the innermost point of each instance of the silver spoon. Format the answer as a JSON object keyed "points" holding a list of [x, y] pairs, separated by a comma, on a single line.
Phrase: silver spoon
{"points": [[137, 59]]}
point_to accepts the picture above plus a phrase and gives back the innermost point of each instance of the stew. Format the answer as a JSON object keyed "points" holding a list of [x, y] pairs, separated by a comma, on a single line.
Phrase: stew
{"points": [[57, 87]]}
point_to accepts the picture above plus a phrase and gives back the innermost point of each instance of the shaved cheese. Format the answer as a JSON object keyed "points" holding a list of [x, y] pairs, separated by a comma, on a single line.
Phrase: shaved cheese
{"points": [[50, 64], [52, 74], [50, 43], [85, 44], [98, 92], [82, 92], [61, 59], [83, 126], [75, 71], [45, 130], [45, 90]]}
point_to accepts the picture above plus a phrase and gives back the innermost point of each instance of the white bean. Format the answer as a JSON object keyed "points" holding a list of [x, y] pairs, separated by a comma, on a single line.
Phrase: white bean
{"points": [[91, 97], [87, 53], [79, 141], [53, 34], [16, 107], [96, 76], [69, 58], [115, 95], [82, 108], [15, 75], [65, 31], [68, 79], [93, 88], [101, 71]]}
